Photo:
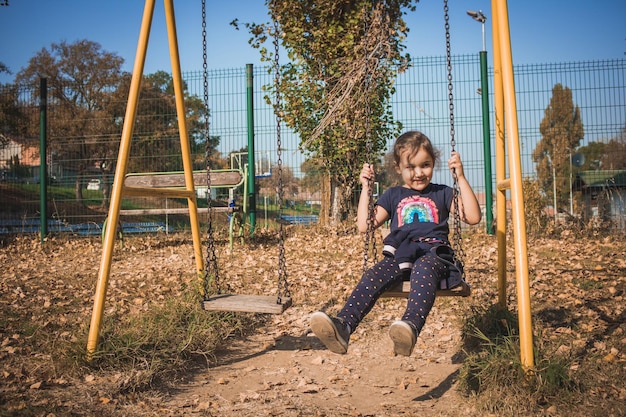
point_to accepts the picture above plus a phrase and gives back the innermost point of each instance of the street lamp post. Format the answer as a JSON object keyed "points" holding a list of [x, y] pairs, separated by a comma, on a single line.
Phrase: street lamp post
{"points": [[484, 94], [481, 18]]}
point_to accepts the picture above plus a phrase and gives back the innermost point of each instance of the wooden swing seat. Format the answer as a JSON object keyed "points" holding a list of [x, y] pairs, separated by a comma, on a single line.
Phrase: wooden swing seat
{"points": [[246, 303], [401, 290]]}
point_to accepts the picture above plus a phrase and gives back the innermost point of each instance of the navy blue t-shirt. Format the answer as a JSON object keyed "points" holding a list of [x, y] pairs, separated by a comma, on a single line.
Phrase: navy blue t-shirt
{"points": [[425, 212]]}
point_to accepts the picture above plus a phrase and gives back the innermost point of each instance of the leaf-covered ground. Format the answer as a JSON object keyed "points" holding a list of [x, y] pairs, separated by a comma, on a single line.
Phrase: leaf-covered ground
{"points": [[279, 368]]}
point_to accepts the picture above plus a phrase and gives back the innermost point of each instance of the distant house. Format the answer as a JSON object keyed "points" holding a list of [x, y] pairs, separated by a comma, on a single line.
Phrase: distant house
{"points": [[18, 161], [27, 156], [604, 195]]}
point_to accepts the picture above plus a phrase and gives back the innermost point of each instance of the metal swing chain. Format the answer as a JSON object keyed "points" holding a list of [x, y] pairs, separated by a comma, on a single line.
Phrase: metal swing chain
{"points": [[211, 269], [456, 238], [368, 238], [283, 285]]}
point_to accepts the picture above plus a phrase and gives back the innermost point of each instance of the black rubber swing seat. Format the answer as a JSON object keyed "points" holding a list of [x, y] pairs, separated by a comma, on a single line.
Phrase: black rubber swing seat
{"points": [[449, 287], [401, 290], [246, 303]]}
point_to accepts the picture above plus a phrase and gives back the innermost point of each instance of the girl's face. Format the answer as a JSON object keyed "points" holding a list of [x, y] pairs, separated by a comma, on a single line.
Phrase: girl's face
{"points": [[416, 170]]}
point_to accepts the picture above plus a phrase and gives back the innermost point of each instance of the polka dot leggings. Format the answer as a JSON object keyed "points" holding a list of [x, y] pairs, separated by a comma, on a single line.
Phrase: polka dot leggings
{"points": [[427, 270]]}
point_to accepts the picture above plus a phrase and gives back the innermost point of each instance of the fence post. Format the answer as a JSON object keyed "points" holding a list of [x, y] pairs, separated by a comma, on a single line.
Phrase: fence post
{"points": [[43, 175], [484, 95], [251, 168]]}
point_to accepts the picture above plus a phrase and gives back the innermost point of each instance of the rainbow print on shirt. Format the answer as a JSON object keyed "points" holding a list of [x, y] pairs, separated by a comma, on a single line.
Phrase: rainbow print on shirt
{"points": [[417, 208]]}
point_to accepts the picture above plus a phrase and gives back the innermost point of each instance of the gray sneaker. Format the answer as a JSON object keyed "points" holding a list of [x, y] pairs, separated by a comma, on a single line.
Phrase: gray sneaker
{"points": [[404, 336], [333, 332]]}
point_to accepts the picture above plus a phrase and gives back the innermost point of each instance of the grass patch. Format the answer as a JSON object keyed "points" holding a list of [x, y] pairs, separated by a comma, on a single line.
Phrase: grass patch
{"points": [[160, 344], [587, 284], [494, 374]]}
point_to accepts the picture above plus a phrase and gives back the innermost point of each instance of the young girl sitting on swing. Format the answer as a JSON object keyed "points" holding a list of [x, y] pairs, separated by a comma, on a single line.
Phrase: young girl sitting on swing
{"points": [[418, 212]]}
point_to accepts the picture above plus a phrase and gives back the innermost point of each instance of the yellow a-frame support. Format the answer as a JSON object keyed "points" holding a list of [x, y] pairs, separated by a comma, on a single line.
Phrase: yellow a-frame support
{"points": [[506, 121], [122, 162]]}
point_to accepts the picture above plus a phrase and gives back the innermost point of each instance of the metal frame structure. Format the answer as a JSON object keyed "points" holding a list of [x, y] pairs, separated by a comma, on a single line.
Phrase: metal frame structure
{"points": [[122, 162], [506, 136], [507, 133]]}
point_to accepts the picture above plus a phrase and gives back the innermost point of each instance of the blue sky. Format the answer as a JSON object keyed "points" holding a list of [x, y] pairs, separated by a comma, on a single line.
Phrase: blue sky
{"points": [[541, 31]]}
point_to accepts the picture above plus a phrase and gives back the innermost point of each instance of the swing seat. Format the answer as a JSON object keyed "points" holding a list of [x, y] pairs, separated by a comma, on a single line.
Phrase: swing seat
{"points": [[401, 290], [246, 303]]}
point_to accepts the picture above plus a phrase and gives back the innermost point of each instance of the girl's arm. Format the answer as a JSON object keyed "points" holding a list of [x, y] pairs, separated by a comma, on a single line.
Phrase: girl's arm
{"points": [[362, 214], [468, 203]]}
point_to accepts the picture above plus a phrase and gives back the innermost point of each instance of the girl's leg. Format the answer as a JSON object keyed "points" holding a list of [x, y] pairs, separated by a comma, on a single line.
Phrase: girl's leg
{"points": [[374, 282], [425, 275]]}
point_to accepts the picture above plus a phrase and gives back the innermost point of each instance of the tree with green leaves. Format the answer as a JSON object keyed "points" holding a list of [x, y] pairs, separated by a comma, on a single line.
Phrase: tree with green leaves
{"points": [[606, 155], [88, 95], [156, 132], [11, 114], [561, 132], [593, 153], [290, 182], [336, 88], [81, 78], [312, 175], [615, 156]]}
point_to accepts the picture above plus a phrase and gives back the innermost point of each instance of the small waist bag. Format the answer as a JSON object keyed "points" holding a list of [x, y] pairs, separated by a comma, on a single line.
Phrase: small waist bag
{"points": [[455, 278]]}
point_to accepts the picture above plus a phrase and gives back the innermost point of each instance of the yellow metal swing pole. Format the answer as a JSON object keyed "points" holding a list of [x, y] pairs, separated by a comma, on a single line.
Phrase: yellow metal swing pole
{"points": [[500, 11], [123, 155], [118, 181], [179, 94]]}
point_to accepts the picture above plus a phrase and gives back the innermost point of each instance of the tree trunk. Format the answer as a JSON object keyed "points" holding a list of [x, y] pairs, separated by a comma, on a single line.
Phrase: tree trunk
{"points": [[78, 188], [341, 197], [335, 218], [336, 199], [106, 187], [324, 216]]}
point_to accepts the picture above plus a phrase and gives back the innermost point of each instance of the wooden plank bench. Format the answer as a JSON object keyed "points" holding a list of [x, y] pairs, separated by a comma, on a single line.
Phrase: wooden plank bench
{"points": [[172, 185]]}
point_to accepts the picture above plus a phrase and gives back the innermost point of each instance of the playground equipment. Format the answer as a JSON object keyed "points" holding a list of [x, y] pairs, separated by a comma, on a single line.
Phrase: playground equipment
{"points": [[506, 133], [122, 188], [462, 289], [165, 184], [214, 297]]}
